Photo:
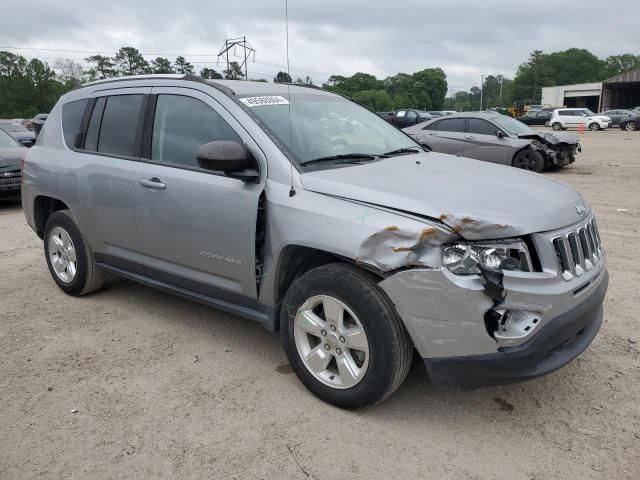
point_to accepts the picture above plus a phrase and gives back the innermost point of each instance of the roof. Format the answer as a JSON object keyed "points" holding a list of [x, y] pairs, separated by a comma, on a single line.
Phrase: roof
{"points": [[631, 76], [233, 87], [473, 115]]}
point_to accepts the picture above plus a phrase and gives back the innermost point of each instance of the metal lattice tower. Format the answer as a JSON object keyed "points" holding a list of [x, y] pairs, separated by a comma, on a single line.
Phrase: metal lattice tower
{"points": [[247, 51]]}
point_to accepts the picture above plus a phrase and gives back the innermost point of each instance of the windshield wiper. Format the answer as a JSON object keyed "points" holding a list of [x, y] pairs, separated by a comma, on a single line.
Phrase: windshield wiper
{"points": [[401, 150], [341, 156]]}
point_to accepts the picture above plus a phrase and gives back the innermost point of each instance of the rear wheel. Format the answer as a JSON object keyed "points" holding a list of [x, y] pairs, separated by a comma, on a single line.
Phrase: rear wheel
{"points": [[529, 160], [630, 126], [556, 126], [69, 256], [594, 126], [343, 337]]}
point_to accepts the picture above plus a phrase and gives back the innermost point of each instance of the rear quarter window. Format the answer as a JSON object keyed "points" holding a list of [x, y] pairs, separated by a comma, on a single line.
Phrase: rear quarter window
{"points": [[72, 113]]}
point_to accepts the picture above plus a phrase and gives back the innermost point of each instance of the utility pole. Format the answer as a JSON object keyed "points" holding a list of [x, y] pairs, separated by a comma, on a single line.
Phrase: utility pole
{"points": [[500, 79], [247, 51], [481, 90]]}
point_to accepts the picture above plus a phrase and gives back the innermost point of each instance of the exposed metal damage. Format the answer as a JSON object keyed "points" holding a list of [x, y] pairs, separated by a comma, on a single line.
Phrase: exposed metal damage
{"points": [[558, 150]]}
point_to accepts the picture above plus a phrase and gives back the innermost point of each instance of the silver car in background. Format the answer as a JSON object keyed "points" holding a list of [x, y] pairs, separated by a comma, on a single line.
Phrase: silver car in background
{"points": [[309, 214], [496, 138]]}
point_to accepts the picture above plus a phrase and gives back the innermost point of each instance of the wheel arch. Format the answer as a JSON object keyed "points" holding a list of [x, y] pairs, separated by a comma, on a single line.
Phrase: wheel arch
{"points": [[295, 260], [43, 207]]}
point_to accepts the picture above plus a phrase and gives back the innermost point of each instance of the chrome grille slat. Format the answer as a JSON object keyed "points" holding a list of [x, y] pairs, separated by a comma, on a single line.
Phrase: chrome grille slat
{"points": [[578, 250]]}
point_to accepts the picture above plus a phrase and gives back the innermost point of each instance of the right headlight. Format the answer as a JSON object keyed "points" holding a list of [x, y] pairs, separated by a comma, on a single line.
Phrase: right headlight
{"points": [[464, 258]]}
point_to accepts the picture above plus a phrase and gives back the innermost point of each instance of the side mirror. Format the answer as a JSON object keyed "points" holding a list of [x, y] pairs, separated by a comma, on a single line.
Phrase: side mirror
{"points": [[228, 157], [500, 134]]}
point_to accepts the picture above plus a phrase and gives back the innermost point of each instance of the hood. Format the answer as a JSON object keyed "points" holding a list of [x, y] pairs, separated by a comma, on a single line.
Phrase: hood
{"points": [[11, 156], [477, 199], [555, 138]]}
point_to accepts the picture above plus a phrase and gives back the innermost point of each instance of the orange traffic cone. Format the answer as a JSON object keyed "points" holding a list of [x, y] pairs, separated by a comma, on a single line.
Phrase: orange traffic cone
{"points": [[581, 128]]}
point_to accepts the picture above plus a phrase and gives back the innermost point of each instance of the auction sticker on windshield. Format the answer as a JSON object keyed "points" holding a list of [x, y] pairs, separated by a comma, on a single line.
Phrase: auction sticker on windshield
{"points": [[264, 100]]}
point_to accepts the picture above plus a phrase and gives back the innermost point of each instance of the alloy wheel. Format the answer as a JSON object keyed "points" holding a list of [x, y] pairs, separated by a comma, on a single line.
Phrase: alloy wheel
{"points": [[331, 342], [62, 254]]}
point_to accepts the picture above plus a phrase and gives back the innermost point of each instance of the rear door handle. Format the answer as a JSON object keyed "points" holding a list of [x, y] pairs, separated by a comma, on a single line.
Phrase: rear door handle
{"points": [[470, 137], [154, 183]]}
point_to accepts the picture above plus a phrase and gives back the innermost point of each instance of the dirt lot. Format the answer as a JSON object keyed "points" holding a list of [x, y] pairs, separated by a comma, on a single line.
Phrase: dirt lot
{"points": [[165, 388]]}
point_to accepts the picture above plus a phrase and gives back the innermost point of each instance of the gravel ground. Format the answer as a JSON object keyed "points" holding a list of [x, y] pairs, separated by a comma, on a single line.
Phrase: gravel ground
{"points": [[133, 383]]}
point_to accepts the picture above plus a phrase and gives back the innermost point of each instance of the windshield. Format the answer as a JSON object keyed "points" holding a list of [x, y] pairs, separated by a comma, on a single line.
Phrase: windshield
{"points": [[588, 112], [325, 126], [513, 126], [7, 141], [12, 127]]}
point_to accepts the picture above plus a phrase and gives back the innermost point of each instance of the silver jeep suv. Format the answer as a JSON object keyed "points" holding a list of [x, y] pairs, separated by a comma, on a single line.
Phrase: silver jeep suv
{"points": [[304, 211]]}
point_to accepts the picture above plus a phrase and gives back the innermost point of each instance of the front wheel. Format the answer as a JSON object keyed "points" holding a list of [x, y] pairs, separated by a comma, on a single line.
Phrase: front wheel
{"points": [[529, 160], [556, 126], [343, 337], [594, 127]]}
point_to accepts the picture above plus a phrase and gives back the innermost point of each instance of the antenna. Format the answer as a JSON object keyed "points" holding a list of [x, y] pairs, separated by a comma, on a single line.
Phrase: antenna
{"points": [[292, 191]]}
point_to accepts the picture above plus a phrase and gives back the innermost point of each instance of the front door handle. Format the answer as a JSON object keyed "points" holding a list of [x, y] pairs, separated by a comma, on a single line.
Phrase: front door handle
{"points": [[154, 183], [470, 137]]}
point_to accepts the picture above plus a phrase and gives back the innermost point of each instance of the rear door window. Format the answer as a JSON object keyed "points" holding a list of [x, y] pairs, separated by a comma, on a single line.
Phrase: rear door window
{"points": [[72, 113], [119, 128], [451, 125], [91, 142]]}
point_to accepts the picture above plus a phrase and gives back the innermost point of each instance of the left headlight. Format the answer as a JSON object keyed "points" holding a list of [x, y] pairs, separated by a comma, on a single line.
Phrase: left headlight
{"points": [[463, 258]]}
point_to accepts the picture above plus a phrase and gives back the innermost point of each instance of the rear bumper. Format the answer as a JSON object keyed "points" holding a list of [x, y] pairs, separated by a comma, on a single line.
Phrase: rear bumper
{"points": [[560, 341]]}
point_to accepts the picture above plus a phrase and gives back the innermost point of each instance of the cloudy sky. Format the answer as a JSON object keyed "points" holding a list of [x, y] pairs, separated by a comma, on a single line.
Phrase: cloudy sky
{"points": [[465, 38]]}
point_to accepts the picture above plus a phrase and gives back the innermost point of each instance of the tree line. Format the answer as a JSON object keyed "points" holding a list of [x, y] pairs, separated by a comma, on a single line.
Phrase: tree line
{"points": [[566, 67], [28, 87]]}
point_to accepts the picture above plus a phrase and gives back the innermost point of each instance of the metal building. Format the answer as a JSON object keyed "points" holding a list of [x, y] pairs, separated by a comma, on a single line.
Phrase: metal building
{"points": [[621, 91], [581, 95]]}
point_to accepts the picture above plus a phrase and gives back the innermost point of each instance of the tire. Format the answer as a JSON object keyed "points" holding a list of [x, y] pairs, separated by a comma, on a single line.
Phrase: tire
{"points": [[630, 126], [556, 126], [529, 160], [75, 270], [385, 357], [594, 127]]}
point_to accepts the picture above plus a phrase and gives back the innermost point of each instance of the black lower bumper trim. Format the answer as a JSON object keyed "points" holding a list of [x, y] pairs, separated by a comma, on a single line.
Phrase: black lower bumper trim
{"points": [[560, 341]]}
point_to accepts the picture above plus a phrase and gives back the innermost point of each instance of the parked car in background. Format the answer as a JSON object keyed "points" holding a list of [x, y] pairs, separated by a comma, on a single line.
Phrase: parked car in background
{"points": [[617, 116], [360, 253], [38, 122], [537, 117], [436, 113], [17, 131], [406, 117], [496, 138], [449, 112], [564, 118], [631, 122], [12, 153]]}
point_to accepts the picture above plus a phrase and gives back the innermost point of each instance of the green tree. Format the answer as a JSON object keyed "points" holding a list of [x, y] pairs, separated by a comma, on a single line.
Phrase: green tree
{"points": [[129, 61], [430, 87], [234, 72], [210, 74], [282, 77], [576, 65], [161, 65], [405, 100], [376, 100], [182, 66], [617, 64], [104, 67]]}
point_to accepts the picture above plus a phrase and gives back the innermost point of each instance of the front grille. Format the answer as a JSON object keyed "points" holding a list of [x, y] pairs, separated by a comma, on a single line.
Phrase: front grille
{"points": [[579, 250]]}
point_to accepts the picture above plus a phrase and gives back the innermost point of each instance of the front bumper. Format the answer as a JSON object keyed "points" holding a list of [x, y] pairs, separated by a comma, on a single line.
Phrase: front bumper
{"points": [[9, 186], [560, 341]]}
